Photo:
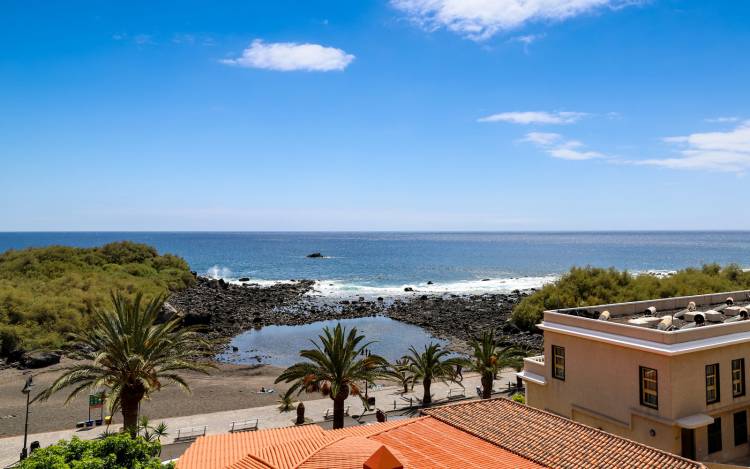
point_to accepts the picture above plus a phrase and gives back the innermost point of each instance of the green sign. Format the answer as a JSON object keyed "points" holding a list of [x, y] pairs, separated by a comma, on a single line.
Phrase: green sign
{"points": [[96, 400]]}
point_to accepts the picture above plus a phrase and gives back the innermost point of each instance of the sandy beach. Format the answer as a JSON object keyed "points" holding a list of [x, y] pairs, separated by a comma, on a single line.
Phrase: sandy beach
{"points": [[228, 387]]}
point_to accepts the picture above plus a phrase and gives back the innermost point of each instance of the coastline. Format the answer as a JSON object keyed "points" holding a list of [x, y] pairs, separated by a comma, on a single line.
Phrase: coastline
{"points": [[226, 309]]}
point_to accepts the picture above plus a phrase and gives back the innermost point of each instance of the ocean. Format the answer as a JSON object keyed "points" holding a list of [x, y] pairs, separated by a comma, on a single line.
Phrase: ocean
{"points": [[384, 263]]}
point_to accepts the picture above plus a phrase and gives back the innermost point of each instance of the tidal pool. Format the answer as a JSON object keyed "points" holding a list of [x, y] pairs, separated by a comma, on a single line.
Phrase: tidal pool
{"points": [[280, 345]]}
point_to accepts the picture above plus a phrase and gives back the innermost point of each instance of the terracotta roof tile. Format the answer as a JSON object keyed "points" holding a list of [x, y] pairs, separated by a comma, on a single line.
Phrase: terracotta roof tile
{"points": [[429, 443], [220, 451], [418, 443], [495, 433], [552, 440]]}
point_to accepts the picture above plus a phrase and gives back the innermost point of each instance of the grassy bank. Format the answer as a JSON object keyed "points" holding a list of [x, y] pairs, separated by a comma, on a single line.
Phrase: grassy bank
{"points": [[47, 293], [585, 286]]}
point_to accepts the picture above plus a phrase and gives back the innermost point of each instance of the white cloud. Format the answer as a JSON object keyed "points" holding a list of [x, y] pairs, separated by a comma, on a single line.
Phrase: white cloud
{"points": [[535, 117], [723, 120], [482, 19], [289, 56], [556, 146], [542, 138], [526, 40], [713, 151]]}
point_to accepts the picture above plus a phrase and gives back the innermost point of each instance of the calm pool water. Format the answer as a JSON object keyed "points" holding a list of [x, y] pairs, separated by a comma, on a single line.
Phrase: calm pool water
{"points": [[280, 345]]}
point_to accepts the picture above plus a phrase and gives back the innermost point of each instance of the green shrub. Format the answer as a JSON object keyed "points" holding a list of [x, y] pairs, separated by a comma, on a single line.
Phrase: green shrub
{"points": [[118, 451], [587, 286], [9, 340], [46, 293], [518, 397]]}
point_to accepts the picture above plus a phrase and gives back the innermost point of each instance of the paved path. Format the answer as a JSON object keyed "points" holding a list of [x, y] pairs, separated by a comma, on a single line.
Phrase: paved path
{"points": [[269, 416]]}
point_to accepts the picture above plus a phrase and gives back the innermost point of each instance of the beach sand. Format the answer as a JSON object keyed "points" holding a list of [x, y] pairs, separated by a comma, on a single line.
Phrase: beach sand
{"points": [[227, 388]]}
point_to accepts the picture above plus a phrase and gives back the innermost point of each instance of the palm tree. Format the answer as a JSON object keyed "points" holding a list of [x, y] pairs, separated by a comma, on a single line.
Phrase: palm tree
{"points": [[400, 372], [150, 432], [286, 402], [133, 356], [334, 368], [489, 358], [431, 365]]}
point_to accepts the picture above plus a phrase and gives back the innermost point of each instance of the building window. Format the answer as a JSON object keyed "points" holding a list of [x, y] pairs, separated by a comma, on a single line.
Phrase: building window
{"points": [[712, 383], [738, 377], [740, 428], [714, 436], [649, 387], [558, 359]]}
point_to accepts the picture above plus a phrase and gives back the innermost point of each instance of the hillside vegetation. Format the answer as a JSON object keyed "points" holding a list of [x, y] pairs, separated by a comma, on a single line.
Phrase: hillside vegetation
{"points": [[47, 293], [586, 286]]}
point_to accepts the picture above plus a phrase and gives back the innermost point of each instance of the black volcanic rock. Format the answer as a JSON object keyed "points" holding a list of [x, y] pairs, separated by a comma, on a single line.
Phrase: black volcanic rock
{"points": [[315, 255], [225, 311]]}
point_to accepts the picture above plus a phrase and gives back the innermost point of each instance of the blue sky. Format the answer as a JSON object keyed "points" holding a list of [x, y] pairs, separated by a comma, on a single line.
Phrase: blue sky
{"points": [[403, 114]]}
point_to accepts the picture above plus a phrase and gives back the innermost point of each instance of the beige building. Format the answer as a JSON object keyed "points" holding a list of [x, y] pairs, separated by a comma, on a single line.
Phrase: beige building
{"points": [[669, 373]]}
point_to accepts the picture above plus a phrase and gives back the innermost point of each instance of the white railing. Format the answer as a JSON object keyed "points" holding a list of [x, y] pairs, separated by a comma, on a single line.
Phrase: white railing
{"points": [[244, 426], [537, 358], [190, 433]]}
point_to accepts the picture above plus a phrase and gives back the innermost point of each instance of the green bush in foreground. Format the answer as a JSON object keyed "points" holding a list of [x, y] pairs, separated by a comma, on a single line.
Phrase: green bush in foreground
{"points": [[47, 293], [118, 451], [587, 286], [518, 397]]}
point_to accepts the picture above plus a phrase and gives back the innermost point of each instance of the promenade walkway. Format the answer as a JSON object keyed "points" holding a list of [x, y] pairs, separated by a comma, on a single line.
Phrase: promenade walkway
{"points": [[268, 417]]}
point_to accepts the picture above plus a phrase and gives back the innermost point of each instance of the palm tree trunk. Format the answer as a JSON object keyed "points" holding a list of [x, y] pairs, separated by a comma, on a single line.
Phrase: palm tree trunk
{"points": [[338, 412], [519, 382], [130, 399], [487, 379], [427, 398], [406, 387]]}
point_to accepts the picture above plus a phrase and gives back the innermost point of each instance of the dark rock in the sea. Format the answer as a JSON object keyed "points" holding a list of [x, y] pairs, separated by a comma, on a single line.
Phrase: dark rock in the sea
{"points": [[429, 282], [485, 280], [380, 298], [244, 279], [39, 359], [408, 289], [315, 255]]}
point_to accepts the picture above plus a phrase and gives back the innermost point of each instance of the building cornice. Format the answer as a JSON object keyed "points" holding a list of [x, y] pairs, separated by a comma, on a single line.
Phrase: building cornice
{"points": [[647, 345]]}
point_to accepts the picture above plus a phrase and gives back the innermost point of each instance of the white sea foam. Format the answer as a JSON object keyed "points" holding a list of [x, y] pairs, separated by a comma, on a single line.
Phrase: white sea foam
{"points": [[336, 288], [218, 272], [341, 289]]}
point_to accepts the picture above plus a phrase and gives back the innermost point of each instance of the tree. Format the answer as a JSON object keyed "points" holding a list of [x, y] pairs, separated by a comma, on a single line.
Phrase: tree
{"points": [[334, 368], [133, 356], [286, 402], [150, 432], [400, 372], [120, 451], [489, 358], [431, 365]]}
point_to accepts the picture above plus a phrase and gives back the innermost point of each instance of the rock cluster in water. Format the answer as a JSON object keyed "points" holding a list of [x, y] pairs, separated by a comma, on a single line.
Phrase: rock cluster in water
{"points": [[226, 309]]}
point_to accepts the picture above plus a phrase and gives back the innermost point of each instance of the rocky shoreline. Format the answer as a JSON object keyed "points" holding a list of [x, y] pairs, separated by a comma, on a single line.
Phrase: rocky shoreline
{"points": [[227, 309]]}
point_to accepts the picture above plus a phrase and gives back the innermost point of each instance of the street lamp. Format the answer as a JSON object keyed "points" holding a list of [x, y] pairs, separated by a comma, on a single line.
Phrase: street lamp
{"points": [[26, 390]]}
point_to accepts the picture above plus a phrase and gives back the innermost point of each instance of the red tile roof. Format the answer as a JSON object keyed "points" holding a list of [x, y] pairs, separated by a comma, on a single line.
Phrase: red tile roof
{"points": [[493, 433], [551, 440], [417, 443]]}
